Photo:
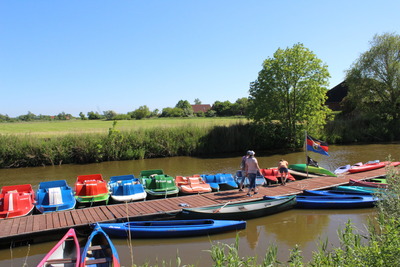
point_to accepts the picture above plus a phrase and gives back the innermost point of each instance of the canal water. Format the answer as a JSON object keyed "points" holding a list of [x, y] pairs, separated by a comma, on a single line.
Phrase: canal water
{"points": [[305, 228]]}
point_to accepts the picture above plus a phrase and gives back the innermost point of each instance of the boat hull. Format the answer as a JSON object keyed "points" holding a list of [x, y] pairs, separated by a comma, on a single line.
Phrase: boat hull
{"points": [[311, 169], [54, 196], [171, 229], [65, 253], [126, 188], [367, 184], [240, 210], [334, 202], [99, 250], [16, 201]]}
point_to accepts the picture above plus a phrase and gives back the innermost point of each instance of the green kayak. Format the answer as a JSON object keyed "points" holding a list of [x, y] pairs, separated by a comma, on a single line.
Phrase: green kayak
{"points": [[311, 169]]}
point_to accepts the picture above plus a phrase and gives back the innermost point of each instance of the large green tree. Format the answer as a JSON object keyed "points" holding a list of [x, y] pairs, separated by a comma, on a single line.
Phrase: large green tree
{"points": [[374, 84], [291, 90]]}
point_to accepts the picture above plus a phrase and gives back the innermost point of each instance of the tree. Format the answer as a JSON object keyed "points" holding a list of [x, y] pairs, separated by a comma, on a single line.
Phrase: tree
{"points": [[240, 106], [94, 115], [197, 101], [186, 107], [291, 90], [141, 113], [374, 83], [223, 108], [83, 117], [109, 114]]}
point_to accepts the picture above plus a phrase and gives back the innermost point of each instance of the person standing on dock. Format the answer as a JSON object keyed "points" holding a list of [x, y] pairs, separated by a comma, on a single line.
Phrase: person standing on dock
{"points": [[251, 170], [242, 168], [283, 168]]}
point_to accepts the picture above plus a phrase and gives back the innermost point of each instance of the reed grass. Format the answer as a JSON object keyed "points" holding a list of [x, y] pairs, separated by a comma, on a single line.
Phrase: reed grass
{"points": [[189, 140]]}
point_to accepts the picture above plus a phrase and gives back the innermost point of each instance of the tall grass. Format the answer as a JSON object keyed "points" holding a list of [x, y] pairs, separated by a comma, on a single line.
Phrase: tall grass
{"points": [[189, 140]]}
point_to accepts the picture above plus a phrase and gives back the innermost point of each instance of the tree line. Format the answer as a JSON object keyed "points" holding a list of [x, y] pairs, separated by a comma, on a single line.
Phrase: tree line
{"points": [[182, 109]]}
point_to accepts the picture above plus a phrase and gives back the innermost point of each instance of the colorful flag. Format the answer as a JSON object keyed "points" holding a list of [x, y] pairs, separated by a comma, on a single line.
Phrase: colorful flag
{"points": [[317, 146]]}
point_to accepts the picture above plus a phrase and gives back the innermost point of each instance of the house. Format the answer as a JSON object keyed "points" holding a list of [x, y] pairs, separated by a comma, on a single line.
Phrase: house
{"points": [[336, 95], [201, 108]]}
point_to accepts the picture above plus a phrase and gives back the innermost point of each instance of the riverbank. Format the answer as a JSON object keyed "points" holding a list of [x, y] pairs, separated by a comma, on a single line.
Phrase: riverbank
{"points": [[153, 142]]}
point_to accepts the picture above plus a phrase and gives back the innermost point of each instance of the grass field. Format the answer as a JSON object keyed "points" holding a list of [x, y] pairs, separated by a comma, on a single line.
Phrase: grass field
{"points": [[50, 128]]}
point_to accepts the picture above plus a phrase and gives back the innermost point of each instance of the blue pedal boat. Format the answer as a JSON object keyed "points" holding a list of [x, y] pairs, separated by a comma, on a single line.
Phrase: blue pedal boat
{"points": [[126, 188], [220, 181], [54, 196], [171, 228]]}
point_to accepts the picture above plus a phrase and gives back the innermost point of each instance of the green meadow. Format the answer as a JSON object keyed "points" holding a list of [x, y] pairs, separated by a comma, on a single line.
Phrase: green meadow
{"points": [[50, 128]]}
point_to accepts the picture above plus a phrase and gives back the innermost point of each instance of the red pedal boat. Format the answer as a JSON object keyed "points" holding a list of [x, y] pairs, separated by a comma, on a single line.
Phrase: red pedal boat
{"points": [[16, 201], [273, 175]]}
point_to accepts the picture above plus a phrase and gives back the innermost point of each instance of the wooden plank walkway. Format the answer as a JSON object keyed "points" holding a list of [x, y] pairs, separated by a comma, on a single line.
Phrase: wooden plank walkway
{"points": [[41, 227]]}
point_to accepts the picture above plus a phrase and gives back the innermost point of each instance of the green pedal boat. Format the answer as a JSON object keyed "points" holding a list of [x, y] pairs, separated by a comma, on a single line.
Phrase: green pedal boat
{"points": [[158, 184]]}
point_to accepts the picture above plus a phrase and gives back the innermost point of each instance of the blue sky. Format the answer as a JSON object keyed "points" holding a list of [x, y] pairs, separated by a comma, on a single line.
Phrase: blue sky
{"points": [[93, 55]]}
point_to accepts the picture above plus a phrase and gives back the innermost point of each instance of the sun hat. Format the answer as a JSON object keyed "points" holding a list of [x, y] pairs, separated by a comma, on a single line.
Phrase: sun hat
{"points": [[251, 152]]}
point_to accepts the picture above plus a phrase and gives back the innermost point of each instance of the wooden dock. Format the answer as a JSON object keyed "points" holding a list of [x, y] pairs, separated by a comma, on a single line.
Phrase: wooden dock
{"points": [[51, 226]]}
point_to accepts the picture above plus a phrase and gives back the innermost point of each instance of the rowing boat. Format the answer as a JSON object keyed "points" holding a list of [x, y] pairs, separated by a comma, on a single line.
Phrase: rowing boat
{"points": [[171, 228], [240, 210]]}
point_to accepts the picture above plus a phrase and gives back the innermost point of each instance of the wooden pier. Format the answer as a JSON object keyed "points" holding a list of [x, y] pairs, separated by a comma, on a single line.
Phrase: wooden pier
{"points": [[51, 226]]}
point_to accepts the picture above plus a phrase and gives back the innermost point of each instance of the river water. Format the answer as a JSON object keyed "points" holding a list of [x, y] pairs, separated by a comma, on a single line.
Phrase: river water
{"points": [[303, 227]]}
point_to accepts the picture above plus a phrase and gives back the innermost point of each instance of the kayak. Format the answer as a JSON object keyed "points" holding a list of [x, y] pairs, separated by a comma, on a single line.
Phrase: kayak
{"points": [[171, 228], [346, 168], [334, 202], [369, 166], [311, 169], [367, 184]]}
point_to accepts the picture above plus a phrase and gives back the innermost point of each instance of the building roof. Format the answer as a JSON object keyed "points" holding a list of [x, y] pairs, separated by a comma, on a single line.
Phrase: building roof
{"points": [[337, 93], [201, 108]]}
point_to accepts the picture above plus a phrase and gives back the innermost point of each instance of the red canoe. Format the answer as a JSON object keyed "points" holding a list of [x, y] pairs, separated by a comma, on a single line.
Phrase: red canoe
{"points": [[372, 166], [273, 175], [353, 182]]}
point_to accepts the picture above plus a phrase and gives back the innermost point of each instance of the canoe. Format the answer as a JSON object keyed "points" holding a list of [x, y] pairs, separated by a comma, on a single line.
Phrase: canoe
{"points": [[220, 181], [379, 180], [273, 175], [260, 180], [66, 252], [368, 167], [99, 250], [334, 193], [54, 196], [171, 229], [311, 169], [91, 188], [353, 182], [334, 202], [192, 185], [357, 189], [126, 188], [158, 184], [16, 201], [240, 210]]}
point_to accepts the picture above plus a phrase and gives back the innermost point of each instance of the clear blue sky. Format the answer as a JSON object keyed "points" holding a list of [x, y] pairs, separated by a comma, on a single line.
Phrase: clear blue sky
{"points": [[96, 55]]}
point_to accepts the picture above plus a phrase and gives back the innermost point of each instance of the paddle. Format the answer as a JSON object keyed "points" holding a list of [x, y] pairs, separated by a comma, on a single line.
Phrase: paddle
{"points": [[218, 210]]}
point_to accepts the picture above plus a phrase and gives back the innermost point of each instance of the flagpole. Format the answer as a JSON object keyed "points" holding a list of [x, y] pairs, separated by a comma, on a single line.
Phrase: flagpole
{"points": [[305, 148]]}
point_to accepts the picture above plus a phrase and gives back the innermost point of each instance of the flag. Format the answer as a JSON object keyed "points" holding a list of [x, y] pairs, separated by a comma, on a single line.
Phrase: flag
{"points": [[317, 146], [311, 162]]}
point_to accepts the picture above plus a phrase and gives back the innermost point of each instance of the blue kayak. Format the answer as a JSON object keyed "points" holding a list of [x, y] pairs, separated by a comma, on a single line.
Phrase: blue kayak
{"points": [[171, 228], [334, 201]]}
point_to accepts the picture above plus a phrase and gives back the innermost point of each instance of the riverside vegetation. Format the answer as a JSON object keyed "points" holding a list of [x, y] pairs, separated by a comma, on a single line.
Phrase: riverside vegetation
{"points": [[157, 141]]}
